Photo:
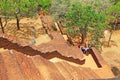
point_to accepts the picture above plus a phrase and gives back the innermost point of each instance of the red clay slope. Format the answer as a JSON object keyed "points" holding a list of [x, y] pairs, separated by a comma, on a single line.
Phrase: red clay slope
{"points": [[17, 66], [26, 63]]}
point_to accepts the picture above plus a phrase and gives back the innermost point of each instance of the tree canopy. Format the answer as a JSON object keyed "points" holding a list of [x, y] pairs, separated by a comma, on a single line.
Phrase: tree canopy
{"points": [[113, 12], [84, 20]]}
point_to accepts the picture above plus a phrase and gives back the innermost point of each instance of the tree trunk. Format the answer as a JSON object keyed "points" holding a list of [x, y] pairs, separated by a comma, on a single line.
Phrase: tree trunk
{"points": [[70, 40], [18, 25], [59, 26], [110, 38], [115, 23], [1, 25], [82, 37], [83, 33]]}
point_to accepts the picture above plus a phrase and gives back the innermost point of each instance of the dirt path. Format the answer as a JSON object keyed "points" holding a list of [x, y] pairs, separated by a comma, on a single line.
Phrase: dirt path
{"points": [[89, 62]]}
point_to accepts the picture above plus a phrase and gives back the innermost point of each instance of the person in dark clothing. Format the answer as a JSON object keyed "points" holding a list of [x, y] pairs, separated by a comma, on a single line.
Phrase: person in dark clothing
{"points": [[84, 49]]}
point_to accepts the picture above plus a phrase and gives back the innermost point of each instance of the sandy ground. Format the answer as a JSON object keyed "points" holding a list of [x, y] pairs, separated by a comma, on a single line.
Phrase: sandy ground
{"points": [[42, 39], [112, 54], [2, 49], [89, 62]]}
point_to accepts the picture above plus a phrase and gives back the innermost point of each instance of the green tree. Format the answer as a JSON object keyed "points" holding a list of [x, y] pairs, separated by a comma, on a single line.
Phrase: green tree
{"points": [[98, 5], [20, 8], [113, 12], [5, 11], [45, 4], [115, 1], [84, 20], [59, 8]]}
